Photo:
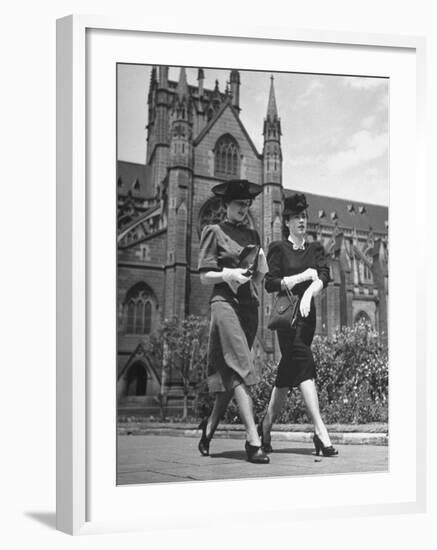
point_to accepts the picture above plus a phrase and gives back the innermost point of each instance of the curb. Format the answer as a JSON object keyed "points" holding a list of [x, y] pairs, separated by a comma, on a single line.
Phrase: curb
{"points": [[340, 438]]}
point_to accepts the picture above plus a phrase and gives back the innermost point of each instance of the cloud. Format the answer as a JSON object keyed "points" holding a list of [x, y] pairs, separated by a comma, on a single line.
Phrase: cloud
{"points": [[362, 147], [300, 161], [364, 82], [368, 121], [313, 90]]}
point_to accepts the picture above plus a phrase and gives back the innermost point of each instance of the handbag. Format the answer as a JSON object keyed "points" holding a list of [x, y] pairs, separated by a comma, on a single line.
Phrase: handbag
{"points": [[284, 312], [248, 259]]}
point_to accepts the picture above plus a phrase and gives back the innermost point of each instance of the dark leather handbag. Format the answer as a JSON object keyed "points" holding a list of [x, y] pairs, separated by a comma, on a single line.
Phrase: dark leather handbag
{"points": [[284, 312]]}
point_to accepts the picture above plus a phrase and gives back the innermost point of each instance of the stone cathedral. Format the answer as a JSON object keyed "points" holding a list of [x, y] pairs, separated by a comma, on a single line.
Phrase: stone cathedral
{"points": [[195, 139]]}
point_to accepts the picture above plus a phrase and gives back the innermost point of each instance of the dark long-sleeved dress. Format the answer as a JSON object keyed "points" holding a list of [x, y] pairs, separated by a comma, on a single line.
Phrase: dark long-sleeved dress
{"points": [[297, 361], [234, 317]]}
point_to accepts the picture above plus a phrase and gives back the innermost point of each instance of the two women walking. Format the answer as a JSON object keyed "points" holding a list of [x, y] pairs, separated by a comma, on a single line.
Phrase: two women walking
{"points": [[232, 261]]}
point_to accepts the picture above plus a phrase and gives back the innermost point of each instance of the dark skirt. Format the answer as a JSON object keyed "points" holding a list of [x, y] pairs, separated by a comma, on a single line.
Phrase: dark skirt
{"points": [[232, 333], [297, 361]]}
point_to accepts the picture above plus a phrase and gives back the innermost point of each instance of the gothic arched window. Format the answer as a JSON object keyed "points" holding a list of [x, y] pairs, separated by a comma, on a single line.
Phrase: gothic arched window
{"points": [[138, 310], [226, 157], [213, 212]]}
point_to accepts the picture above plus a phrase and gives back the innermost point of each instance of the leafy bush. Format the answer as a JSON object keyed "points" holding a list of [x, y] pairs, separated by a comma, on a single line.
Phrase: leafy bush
{"points": [[180, 346], [352, 381]]}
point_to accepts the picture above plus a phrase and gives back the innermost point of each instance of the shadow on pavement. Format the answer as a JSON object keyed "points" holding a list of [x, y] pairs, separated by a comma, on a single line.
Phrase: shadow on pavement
{"points": [[236, 455], [241, 455], [295, 451]]}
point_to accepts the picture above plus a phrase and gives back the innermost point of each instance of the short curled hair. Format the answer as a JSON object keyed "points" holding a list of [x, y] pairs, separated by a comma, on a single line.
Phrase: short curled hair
{"points": [[227, 200]]}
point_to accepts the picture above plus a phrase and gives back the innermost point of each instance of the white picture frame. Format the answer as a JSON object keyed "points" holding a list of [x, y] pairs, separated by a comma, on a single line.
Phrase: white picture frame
{"points": [[76, 421]]}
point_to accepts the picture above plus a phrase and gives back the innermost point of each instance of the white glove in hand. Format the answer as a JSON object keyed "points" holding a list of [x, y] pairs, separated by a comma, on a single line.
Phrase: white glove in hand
{"points": [[290, 281], [305, 303], [309, 274], [234, 278]]}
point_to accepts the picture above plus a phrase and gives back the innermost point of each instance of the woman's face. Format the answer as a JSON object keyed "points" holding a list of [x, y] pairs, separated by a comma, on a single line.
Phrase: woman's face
{"points": [[236, 210], [297, 224]]}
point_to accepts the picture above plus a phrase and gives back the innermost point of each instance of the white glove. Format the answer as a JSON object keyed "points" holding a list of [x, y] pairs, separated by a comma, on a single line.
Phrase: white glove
{"points": [[309, 274], [305, 303], [234, 277]]}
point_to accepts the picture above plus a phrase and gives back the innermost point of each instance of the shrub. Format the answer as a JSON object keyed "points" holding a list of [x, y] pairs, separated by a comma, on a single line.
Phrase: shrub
{"points": [[352, 381]]}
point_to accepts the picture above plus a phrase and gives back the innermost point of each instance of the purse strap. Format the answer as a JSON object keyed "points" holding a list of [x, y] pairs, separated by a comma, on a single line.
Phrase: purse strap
{"points": [[289, 294]]}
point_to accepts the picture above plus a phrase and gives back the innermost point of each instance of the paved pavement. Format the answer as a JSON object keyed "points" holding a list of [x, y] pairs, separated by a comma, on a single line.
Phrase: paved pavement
{"points": [[166, 458]]}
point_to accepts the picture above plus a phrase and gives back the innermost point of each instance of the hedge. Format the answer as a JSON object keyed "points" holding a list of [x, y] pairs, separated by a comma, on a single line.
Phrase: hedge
{"points": [[352, 381]]}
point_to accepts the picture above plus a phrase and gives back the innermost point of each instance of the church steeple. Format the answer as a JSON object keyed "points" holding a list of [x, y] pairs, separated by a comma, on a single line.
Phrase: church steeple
{"points": [[272, 141], [181, 124], [182, 87], [272, 123], [182, 101], [272, 110]]}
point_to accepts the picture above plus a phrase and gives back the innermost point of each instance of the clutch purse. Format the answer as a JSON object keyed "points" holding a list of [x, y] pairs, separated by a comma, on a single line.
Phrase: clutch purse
{"points": [[284, 312], [248, 259]]}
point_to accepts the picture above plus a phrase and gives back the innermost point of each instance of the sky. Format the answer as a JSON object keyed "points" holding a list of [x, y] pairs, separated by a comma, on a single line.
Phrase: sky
{"points": [[335, 137]]}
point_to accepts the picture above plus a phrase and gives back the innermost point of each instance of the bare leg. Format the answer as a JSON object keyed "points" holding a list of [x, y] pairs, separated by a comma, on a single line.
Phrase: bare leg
{"points": [[221, 403], [309, 394], [277, 400], [245, 406]]}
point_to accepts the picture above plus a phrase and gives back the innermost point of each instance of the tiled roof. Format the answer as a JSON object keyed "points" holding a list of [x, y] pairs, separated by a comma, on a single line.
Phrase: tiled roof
{"points": [[134, 177], [347, 213]]}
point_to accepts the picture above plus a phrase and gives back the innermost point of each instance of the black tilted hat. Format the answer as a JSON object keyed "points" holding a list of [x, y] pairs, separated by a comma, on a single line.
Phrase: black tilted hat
{"points": [[295, 204], [237, 189]]}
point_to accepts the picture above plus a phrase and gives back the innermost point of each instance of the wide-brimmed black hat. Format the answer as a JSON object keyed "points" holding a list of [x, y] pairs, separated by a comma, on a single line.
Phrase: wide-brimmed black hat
{"points": [[295, 204], [237, 189]]}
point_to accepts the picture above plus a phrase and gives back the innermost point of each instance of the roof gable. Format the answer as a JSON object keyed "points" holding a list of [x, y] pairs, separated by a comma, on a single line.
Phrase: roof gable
{"points": [[216, 117]]}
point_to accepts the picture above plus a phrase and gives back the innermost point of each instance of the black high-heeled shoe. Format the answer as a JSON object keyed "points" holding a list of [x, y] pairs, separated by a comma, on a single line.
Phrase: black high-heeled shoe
{"points": [[204, 440], [326, 451], [255, 454], [267, 447]]}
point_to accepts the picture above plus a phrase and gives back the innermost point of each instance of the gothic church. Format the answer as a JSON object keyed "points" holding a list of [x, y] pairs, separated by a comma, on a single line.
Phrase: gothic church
{"points": [[195, 139]]}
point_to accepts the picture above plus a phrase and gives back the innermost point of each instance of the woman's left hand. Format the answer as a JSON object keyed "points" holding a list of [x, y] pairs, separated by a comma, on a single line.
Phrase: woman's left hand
{"points": [[305, 303]]}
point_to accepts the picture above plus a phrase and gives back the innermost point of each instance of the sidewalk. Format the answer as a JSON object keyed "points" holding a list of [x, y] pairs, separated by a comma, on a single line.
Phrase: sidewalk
{"points": [[150, 458], [341, 434]]}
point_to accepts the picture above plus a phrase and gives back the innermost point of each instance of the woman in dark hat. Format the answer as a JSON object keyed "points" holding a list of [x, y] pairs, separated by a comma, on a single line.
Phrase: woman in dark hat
{"points": [[301, 267], [231, 260]]}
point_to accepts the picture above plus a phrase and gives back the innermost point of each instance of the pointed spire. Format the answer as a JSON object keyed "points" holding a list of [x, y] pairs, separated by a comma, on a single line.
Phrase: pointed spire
{"points": [[216, 95], [272, 110], [182, 87]]}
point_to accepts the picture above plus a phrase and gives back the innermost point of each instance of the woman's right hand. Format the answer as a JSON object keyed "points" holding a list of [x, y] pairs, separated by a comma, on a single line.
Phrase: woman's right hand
{"points": [[234, 277], [309, 274]]}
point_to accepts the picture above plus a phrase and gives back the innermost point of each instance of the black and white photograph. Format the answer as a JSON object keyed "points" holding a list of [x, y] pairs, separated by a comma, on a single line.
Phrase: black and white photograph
{"points": [[252, 274]]}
